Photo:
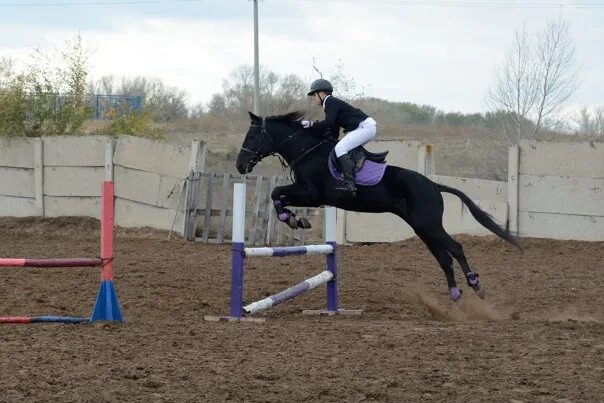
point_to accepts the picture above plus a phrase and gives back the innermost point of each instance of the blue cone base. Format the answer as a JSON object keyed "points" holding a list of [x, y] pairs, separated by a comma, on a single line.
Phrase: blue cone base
{"points": [[106, 306]]}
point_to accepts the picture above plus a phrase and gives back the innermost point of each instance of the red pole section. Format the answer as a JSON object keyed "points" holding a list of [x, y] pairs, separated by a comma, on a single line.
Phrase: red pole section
{"points": [[15, 319], [107, 230], [75, 262], [12, 262]]}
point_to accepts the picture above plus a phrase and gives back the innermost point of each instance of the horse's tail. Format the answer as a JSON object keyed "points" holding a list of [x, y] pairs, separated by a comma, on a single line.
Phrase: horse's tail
{"points": [[481, 216]]}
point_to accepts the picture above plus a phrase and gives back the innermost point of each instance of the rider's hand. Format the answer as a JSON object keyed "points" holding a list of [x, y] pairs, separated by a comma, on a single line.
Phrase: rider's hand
{"points": [[305, 124]]}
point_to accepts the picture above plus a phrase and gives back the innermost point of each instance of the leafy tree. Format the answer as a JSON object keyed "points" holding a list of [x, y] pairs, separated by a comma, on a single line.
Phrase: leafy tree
{"points": [[49, 98], [13, 108]]}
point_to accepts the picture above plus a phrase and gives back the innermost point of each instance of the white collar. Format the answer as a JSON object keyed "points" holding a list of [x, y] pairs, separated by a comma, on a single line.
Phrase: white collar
{"points": [[324, 100]]}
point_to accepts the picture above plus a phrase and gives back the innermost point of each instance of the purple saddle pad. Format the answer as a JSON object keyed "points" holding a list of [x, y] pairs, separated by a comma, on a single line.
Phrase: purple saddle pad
{"points": [[370, 174]]}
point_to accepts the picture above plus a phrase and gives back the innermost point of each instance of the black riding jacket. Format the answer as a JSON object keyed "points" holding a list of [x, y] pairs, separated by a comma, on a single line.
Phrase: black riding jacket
{"points": [[340, 114]]}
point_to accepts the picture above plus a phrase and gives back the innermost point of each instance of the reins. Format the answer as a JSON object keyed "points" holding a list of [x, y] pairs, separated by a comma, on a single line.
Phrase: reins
{"points": [[258, 156]]}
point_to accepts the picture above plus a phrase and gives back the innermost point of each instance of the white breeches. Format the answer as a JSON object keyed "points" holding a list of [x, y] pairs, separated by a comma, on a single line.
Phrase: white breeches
{"points": [[361, 135]]}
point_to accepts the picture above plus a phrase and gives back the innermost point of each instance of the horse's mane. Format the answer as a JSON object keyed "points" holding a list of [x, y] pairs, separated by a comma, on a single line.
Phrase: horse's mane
{"points": [[294, 116]]}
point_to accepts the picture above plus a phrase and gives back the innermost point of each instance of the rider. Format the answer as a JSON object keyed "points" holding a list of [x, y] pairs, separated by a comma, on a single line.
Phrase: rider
{"points": [[358, 127]]}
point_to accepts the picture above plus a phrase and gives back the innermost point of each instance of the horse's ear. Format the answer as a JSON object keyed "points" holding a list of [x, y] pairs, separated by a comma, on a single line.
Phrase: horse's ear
{"points": [[253, 117]]}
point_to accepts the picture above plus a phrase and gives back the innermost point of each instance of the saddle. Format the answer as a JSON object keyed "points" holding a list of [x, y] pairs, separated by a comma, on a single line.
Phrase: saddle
{"points": [[358, 156], [369, 167]]}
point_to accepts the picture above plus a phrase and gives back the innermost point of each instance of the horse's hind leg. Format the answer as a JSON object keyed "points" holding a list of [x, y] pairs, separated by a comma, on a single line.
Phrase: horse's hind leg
{"points": [[446, 263], [456, 250]]}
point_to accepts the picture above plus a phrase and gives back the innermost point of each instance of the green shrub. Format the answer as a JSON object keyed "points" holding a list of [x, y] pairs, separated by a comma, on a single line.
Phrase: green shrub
{"points": [[132, 124]]}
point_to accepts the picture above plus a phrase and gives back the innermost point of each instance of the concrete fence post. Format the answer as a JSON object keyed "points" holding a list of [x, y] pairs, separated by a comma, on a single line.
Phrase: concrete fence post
{"points": [[429, 161], [513, 196], [39, 176], [109, 147], [421, 160]]}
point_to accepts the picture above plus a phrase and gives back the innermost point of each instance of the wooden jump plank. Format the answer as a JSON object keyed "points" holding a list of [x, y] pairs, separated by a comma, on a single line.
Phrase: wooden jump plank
{"points": [[208, 210], [226, 185], [257, 202]]}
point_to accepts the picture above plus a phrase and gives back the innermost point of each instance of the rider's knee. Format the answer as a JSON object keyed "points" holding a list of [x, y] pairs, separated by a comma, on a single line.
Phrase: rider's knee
{"points": [[340, 149]]}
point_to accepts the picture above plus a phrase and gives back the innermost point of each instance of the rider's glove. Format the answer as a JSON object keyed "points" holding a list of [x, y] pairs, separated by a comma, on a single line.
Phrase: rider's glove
{"points": [[305, 124]]}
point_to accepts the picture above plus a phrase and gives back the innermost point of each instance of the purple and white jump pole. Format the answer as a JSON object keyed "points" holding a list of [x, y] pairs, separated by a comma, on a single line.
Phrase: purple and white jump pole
{"points": [[239, 252]]}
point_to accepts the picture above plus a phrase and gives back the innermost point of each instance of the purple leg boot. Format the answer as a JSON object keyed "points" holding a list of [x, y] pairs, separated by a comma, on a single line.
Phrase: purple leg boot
{"points": [[454, 293]]}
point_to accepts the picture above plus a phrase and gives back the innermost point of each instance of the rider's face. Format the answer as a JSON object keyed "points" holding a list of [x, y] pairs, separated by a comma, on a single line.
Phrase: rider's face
{"points": [[318, 99]]}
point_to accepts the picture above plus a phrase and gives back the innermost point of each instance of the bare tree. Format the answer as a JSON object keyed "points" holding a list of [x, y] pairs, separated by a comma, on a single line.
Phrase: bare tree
{"points": [[515, 89], [278, 94], [344, 85], [534, 82], [590, 124], [556, 73], [289, 95]]}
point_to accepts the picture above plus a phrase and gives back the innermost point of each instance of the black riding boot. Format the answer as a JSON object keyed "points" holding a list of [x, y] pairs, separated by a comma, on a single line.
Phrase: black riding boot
{"points": [[347, 168]]}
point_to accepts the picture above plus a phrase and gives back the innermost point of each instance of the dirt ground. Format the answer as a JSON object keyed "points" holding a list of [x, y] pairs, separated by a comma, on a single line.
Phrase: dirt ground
{"points": [[538, 336]]}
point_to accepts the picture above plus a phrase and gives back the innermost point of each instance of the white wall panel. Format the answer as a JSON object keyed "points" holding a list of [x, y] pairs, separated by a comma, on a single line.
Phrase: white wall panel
{"points": [[78, 151], [132, 214], [17, 182], [152, 156], [385, 227], [457, 218], [17, 152], [562, 226], [73, 181], [584, 159], [564, 195], [402, 153], [478, 189], [169, 192], [136, 185], [17, 207], [72, 206], [147, 187]]}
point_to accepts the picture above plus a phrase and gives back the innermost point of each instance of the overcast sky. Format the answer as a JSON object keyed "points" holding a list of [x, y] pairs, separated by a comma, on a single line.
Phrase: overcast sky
{"points": [[440, 53]]}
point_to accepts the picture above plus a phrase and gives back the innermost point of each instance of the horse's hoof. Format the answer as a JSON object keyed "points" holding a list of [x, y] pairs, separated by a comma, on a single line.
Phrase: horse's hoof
{"points": [[454, 293], [480, 291], [292, 222], [303, 223]]}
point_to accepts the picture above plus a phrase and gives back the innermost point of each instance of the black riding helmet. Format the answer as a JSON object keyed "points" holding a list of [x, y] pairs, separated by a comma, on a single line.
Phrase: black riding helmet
{"points": [[320, 85]]}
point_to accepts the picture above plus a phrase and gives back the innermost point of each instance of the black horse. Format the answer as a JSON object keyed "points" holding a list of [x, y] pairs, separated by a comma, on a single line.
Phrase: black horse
{"points": [[408, 194]]}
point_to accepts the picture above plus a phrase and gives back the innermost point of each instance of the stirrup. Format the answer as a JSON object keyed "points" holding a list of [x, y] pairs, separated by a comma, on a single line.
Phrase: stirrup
{"points": [[346, 186]]}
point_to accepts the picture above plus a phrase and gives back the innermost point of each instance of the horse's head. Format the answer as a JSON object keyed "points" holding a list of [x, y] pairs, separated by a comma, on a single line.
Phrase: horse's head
{"points": [[264, 137]]}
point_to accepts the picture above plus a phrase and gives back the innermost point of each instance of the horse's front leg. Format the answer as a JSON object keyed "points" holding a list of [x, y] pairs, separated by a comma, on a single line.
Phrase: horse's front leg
{"points": [[291, 195]]}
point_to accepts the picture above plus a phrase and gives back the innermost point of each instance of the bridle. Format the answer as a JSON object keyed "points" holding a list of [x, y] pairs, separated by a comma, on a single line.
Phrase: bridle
{"points": [[258, 155]]}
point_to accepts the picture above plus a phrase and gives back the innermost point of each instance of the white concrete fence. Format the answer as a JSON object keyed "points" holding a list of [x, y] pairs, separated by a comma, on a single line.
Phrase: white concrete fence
{"points": [[61, 176], [554, 190]]}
